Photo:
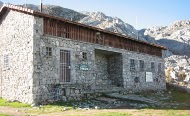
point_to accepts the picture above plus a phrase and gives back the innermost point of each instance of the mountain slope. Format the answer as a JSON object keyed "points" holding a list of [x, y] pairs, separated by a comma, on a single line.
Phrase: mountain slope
{"points": [[176, 36], [114, 24], [58, 11]]}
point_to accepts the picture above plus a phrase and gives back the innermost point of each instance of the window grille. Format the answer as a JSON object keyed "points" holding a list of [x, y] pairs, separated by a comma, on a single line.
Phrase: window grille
{"points": [[48, 51], [141, 65], [152, 66], [132, 64], [159, 67], [6, 61], [84, 56], [65, 66]]}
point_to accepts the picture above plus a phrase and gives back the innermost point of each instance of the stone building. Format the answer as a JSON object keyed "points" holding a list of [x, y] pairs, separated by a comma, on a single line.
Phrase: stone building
{"points": [[45, 58]]}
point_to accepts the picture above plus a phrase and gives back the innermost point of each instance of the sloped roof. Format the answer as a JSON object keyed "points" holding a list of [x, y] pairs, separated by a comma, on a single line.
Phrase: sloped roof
{"points": [[28, 11]]}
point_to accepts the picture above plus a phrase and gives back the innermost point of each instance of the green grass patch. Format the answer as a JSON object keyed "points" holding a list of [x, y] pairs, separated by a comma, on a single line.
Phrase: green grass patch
{"points": [[5, 115], [13, 104], [112, 114], [179, 96]]}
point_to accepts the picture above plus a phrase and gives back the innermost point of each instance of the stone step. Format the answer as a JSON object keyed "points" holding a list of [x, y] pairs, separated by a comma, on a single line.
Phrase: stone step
{"points": [[132, 97], [103, 82], [109, 89]]}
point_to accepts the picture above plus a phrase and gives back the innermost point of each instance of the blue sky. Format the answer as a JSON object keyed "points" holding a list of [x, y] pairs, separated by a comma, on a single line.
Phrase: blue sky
{"points": [[148, 12]]}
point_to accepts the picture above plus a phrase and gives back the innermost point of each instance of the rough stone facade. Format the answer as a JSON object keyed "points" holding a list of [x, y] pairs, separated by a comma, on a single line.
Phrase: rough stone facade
{"points": [[34, 77], [16, 34]]}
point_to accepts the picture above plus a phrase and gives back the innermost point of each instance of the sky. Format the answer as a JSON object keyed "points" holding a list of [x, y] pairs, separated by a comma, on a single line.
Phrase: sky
{"points": [[139, 13]]}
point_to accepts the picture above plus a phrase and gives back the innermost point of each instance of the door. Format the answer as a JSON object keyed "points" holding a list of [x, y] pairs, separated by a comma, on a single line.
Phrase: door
{"points": [[65, 71]]}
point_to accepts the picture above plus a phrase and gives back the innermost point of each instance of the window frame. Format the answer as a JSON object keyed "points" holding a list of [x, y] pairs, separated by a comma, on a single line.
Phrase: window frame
{"points": [[84, 56], [132, 65], [6, 61], [159, 67], [141, 67], [152, 66], [49, 51]]}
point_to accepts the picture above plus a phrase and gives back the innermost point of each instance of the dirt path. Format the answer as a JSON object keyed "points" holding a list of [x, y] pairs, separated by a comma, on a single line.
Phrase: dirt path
{"points": [[20, 112], [133, 112], [11, 111], [88, 112]]}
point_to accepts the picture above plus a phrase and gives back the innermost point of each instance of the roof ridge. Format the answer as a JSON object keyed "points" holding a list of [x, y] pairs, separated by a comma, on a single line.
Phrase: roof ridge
{"points": [[16, 7]]}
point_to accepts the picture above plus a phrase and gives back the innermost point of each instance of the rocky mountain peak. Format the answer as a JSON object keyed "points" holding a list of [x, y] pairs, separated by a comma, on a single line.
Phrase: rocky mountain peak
{"points": [[179, 24], [114, 24], [58, 11]]}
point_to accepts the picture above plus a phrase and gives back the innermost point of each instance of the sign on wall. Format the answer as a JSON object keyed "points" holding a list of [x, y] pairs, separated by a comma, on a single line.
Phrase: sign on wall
{"points": [[84, 67], [149, 77]]}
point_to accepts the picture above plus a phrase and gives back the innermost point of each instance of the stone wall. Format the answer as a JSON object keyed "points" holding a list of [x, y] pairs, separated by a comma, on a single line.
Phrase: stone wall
{"points": [[101, 71], [116, 69], [129, 76], [16, 33]]}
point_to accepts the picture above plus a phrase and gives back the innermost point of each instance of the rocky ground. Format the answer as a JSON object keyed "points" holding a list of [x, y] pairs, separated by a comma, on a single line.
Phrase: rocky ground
{"points": [[178, 71], [167, 103]]}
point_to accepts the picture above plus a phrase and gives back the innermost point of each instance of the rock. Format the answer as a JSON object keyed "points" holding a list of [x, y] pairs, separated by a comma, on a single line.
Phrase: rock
{"points": [[96, 107], [176, 36], [33, 105], [64, 109]]}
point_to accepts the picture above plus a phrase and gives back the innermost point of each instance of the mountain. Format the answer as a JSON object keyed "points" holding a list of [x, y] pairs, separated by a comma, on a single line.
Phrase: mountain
{"points": [[58, 11], [114, 24], [176, 36]]}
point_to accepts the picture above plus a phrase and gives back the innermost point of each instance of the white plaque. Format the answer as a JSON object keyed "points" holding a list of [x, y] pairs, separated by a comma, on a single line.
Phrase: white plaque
{"points": [[149, 77]]}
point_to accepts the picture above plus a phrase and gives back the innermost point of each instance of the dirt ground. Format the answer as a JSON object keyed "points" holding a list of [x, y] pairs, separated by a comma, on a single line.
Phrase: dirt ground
{"points": [[131, 112]]}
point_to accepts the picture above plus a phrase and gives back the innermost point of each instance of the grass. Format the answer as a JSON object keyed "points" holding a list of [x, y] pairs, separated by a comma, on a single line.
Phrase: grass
{"points": [[5, 115], [181, 97], [63, 107], [112, 114], [13, 104]]}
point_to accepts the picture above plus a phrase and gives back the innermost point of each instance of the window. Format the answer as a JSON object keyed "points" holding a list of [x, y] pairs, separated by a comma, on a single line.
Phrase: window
{"points": [[159, 67], [132, 64], [141, 65], [152, 66], [6, 61], [48, 51], [84, 56]]}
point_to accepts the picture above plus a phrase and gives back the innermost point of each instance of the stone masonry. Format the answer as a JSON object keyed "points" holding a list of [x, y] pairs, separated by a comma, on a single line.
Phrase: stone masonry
{"points": [[16, 33], [34, 77]]}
